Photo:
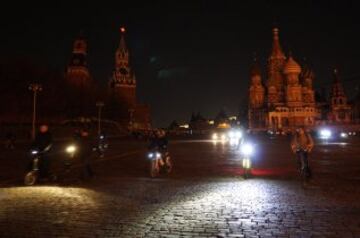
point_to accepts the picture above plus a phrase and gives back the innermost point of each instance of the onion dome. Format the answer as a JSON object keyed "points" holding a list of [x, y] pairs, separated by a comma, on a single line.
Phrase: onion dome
{"points": [[292, 67]]}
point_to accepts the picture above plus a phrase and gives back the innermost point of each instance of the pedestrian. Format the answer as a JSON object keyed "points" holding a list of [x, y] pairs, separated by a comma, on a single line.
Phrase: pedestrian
{"points": [[302, 145], [85, 146], [42, 143]]}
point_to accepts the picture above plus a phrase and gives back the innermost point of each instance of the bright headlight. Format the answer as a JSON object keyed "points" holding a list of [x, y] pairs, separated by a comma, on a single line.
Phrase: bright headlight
{"points": [[343, 135], [158, 155], [247, 149], [34, 152], [214, 136], [238, 134], [150, 155], [70, 149], [223, 137], [325, 133], [231, 134]]}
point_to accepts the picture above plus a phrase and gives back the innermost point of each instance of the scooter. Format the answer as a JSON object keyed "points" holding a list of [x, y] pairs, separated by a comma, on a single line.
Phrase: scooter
{"points": [[159, 162], [71, 151], [101, 147], [247, 151], [32, 176]]}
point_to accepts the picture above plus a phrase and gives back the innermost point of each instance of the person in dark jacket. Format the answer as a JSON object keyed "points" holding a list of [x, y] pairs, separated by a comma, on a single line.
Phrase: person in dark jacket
{"points": [[159, 141], [85, 146], [43, 142], [302, 144]]}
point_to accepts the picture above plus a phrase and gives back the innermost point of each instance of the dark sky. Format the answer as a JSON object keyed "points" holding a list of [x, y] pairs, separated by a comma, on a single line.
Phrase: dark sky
{"points": [[187, 55]]}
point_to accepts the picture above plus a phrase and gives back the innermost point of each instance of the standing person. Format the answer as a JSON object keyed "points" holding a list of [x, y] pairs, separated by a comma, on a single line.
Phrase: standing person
{"points": [[85, 153], [43, 142], [302, 145]]}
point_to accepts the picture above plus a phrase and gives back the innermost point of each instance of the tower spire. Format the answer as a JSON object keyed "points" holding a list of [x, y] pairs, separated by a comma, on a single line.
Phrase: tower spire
{"points": [[336, 75], [122, 45], [276, 52]]}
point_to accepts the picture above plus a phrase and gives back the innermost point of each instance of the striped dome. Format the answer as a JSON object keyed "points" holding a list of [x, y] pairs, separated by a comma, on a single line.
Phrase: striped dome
{"points": [[292, 67]]}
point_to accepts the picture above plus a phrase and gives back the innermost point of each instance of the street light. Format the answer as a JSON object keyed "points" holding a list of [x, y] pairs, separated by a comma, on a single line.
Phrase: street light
{"points": [[99, 106], [35, 87]]}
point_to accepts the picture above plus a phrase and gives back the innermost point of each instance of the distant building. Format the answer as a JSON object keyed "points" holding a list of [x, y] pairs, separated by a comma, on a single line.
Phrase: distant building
{"points": [[77, 73], [122, 92], [198, 124], [80, 96], [340, 110], [287, 99]]}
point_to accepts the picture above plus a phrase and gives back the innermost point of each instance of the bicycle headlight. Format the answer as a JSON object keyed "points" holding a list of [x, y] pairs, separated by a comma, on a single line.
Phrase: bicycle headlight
{"points": [[247, 149], [71, 149]]}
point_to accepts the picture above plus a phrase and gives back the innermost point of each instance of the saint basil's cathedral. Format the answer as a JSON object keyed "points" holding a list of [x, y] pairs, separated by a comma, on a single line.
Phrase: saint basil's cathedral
{"points": [[287, 98]]}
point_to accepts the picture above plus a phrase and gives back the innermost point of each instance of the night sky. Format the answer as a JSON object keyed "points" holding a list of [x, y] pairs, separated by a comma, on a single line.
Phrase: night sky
{"points": [[188, 56]]}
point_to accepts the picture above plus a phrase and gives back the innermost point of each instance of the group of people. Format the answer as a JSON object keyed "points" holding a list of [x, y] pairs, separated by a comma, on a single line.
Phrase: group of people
{"points": [[301, 145], [43, 142]]}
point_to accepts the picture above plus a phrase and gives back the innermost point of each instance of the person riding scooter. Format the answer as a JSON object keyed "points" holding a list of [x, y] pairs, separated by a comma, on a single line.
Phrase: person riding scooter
{"points": [[159, 141], [43, 143]]}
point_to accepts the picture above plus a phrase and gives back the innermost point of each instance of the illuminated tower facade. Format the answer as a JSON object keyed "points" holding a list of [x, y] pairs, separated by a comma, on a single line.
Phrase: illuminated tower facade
{"points": [[288, 100], [256, 113], [77, 73], [122, 87], [340, 109], [275, 77], [123, 82]]}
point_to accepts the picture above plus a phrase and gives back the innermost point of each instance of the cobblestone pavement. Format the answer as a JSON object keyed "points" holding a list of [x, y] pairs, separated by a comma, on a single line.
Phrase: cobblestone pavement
{"points": [[123, 202]]}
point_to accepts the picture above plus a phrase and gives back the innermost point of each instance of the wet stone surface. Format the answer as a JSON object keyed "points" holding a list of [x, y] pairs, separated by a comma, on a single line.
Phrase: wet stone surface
{"points": [[204, 197]]}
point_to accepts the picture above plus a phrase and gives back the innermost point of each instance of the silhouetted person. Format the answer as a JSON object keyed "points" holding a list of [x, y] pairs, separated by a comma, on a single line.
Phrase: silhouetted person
{"points": [[302, 144], [43, 142], [85, 146]]}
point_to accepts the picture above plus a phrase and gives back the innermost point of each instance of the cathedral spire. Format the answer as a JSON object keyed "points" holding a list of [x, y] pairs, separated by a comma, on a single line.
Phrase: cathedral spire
{"points": [[336, 76], [255, 68], [276, 52]]}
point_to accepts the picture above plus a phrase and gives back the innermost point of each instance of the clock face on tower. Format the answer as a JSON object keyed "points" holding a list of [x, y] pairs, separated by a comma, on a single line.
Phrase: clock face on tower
{"points": [[123, 71]]}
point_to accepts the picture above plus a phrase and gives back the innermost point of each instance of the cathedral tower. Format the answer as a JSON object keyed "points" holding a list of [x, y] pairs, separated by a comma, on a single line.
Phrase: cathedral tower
{"points": [[293, 91], [257, 90], [256, 113], [340, 110], [307, 78], [276, 63]]}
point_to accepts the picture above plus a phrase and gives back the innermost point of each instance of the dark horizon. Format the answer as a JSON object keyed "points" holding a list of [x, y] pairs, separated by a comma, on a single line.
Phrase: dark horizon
{"points": [[189, 56]]}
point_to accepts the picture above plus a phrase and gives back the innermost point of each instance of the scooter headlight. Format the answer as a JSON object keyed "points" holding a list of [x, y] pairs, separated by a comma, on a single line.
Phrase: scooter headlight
{"points": [[214, 136], [71, 149], [158, 155], [344, 135], [238, 134], [150, 155], [232, 134], [34, 152], [325, 133], [247, 149]]}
